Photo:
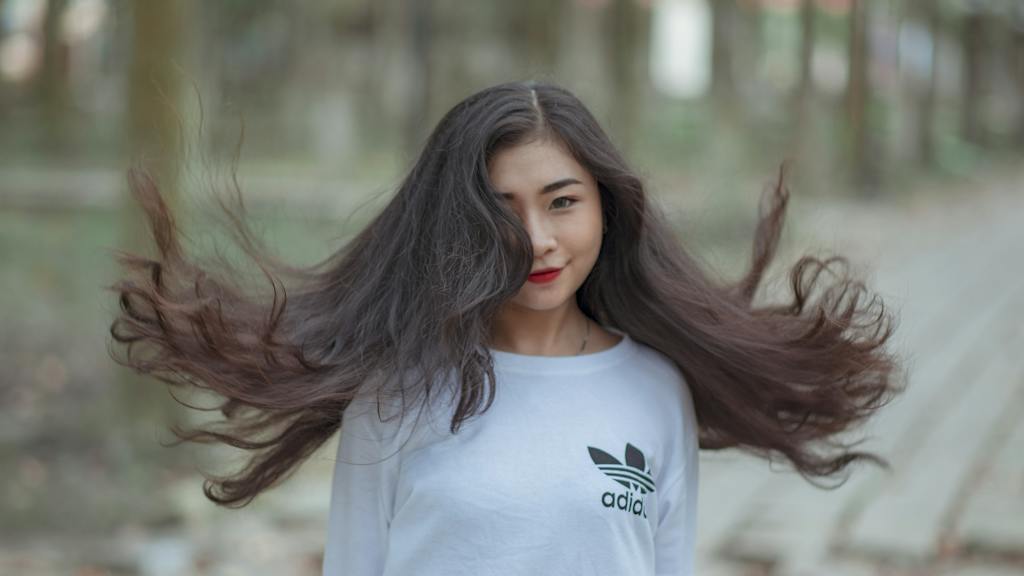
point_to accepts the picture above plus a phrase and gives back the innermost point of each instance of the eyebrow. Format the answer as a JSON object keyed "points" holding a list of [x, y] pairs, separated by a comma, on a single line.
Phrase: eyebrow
{"points": [[549, 187]]}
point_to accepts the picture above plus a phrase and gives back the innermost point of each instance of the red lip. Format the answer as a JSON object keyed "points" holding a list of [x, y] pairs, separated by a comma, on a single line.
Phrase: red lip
{"points": [[546, 275]]}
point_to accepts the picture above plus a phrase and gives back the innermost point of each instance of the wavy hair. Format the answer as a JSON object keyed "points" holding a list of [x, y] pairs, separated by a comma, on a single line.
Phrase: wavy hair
{"points": [[415, 291]]}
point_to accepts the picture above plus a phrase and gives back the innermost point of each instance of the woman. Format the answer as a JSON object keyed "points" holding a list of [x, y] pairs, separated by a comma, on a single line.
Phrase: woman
{"points": [[562, 355]]}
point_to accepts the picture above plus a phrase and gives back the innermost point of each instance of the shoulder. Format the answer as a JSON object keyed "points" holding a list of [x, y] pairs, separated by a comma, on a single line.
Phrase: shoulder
{"points": [[658, 361], [664, 370]]}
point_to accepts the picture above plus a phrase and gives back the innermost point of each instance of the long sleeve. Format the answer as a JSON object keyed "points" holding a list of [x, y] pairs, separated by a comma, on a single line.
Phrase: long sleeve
{"points": [[675, 539], [676, 536], [363, 482]]}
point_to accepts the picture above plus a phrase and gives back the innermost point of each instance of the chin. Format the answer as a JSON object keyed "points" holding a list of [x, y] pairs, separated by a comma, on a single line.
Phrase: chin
{"points": [[541, 303], [542, 306]]}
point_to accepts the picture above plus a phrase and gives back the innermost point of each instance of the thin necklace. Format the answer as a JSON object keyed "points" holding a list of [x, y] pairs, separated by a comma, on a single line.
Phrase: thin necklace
{"points": [[587, 320]]}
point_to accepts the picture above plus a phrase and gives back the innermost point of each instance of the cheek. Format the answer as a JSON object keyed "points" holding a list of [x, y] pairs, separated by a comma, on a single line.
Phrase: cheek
{"points": [[585, 244], [587, 233]]}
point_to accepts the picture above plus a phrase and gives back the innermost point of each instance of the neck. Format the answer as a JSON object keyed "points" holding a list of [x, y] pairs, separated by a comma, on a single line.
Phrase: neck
{"points": [[557, 332]]}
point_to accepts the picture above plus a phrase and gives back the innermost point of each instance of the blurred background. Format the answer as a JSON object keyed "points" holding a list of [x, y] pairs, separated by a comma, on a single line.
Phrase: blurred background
{"points": [[903, 119]]}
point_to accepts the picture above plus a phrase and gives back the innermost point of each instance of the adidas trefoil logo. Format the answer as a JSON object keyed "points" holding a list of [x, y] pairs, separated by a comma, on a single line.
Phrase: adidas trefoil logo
{"points": [[634, 475]]}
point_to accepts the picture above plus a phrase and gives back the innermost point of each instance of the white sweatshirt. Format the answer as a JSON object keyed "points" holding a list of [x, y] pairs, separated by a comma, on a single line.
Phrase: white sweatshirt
{"points": [[582, 465]]}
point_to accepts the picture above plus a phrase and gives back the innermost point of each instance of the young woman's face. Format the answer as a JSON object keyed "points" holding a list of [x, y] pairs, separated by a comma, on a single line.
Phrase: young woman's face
{"points": [[559, 204]]}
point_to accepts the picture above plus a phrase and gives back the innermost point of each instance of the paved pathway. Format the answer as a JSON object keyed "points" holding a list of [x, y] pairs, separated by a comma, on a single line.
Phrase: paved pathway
{"points": [[954, 502]]}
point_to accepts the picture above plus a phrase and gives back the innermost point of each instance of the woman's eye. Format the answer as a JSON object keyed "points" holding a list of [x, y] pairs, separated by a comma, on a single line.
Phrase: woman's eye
{"points": [[571, 201]]}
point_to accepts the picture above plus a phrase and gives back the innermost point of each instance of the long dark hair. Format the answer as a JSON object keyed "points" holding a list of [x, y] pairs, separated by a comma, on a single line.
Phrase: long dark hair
{"points": [[408, 302]]}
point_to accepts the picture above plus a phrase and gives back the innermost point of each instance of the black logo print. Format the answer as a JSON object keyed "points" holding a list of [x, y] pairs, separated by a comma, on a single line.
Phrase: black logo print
{"points": [[634, 475]]}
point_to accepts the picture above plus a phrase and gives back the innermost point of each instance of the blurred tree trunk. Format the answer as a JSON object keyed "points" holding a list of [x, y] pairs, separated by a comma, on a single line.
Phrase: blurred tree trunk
{"points": [[747, 49], [582, 36], [723, 82], [5, 87], [802, 108], [927, 11], [803, 95], [154, 91], [52, 84], [533, 28], [858, 94], [974, 77], [629, 36], [396, 83], [420, 15], [1017, 61], [380, 97], [727, 144], [154, 140]]}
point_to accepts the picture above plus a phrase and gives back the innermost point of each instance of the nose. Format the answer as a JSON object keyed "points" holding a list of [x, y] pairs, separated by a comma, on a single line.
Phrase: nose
{"points": [[541, 235]]}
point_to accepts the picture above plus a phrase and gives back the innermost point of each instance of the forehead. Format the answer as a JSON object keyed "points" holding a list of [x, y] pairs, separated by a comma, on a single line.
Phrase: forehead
{"points": [[528, 167]]}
